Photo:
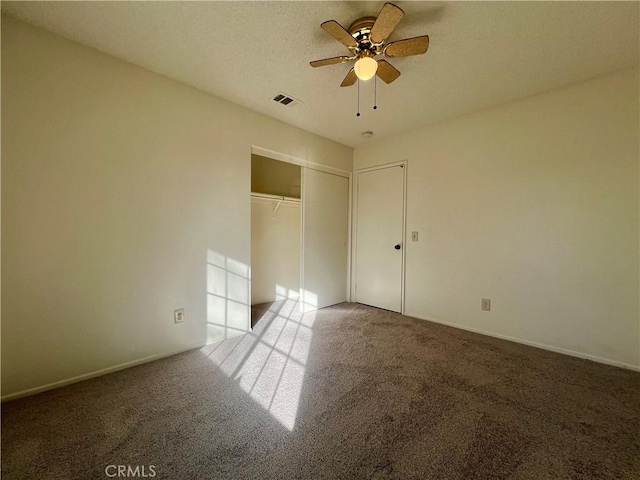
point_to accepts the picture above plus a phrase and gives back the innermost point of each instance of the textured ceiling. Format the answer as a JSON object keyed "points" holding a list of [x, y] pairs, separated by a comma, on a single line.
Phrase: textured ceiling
{"points": [[481, 53]]}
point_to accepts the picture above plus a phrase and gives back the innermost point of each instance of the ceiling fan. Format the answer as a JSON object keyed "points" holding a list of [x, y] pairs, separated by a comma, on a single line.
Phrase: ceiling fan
{"points": [[366, 39]]}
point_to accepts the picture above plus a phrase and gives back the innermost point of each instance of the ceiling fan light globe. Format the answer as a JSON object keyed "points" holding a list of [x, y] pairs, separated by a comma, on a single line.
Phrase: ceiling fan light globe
{"points": [[366, 68]]}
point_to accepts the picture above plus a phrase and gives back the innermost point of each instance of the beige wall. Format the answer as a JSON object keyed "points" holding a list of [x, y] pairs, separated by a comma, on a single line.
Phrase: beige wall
{"points": [[533, 204], [120, 188], [275, 251]]}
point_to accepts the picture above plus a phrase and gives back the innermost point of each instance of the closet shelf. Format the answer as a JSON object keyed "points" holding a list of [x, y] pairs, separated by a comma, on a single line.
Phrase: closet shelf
{"points": [[268, 196], [279, 199]]}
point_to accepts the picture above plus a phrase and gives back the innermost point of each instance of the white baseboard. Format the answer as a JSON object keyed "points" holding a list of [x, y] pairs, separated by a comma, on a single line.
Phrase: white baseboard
{"points": [[543, 346], [97, 373]]}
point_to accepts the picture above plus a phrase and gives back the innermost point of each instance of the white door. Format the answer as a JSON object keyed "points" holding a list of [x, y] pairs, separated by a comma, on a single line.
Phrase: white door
{"points": [[380, 237], [326, 235]]}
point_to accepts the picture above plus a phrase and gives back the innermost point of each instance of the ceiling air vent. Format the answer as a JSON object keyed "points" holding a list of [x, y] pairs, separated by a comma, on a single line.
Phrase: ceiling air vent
{"points": [[286, 100]]}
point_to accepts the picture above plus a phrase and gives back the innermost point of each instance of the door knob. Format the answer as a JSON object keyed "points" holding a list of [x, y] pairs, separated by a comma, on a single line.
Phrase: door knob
{"points": [[397, 247]]}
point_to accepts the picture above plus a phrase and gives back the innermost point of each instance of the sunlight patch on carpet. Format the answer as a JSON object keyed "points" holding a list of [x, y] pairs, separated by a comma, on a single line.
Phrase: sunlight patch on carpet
{"points": [[269, 362]]}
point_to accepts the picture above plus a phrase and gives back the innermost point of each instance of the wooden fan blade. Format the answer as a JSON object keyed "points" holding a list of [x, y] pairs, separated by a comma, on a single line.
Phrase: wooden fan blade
{"points": [[350, 79], [334, 29], [387, 20], [330, 61], [408, 47], [387, 72]]}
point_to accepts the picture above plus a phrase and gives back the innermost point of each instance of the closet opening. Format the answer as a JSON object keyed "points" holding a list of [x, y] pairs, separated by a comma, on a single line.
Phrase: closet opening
{"points": [[276, 235]]}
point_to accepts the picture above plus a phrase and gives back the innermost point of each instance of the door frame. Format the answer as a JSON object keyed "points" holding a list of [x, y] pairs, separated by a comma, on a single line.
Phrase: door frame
{"points": [[301, 162], [354, 234]]}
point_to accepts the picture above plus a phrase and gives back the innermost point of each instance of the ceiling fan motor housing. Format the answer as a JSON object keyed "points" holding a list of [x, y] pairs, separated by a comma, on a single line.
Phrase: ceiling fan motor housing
{"points": [[361, 31]]}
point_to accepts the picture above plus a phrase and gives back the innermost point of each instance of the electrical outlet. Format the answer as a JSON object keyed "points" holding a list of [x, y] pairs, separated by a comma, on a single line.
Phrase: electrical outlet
{"points": [[486, 304], [414, 236], [178, 315]]}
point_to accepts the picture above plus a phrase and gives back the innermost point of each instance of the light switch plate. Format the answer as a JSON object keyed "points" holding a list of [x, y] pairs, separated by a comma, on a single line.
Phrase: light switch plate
{"points": [[414, 236]]}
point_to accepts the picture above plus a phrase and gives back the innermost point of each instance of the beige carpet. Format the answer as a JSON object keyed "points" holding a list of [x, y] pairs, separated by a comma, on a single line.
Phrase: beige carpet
{"points": [[346, 392]]}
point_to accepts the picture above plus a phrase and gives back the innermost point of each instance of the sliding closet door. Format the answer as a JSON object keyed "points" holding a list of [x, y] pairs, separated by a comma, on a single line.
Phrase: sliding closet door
{"points": [[325, 237]]}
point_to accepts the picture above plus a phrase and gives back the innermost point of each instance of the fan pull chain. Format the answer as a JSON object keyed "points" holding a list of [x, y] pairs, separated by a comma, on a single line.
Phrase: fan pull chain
{"points": [[358, 114], [375, 92]]}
